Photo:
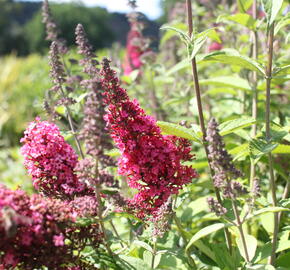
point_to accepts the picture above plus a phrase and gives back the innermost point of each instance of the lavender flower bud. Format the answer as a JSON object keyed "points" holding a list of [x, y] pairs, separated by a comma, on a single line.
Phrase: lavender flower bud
{"points": [[57, 70], [220, 160], [216, 207], [256, 189]]}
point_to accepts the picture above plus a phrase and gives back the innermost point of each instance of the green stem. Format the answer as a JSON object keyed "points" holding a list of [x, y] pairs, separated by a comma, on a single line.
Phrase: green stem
{"points": [[191, 261], [69, 116], [100, 216], [272, 259], [241, 231], [284, 196], [200, 112], [255, 92], [100, 208], [116, 233], [154, 253]]}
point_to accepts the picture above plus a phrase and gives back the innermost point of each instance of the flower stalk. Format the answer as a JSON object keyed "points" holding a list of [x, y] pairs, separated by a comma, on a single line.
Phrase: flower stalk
{"points": [[181, 231], [241, 231], [272, 259], [200, 111], [255, 92]]}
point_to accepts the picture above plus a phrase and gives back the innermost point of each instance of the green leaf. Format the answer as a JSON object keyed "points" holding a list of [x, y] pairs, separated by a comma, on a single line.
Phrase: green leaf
{"points": [[285, 203], [179, 131], [240, 151], [269, 209], [241, 18], [147, 257], [233, 57], [224, 259], [132, 263], [251, 244], [183, 35], [265, 250], [283, 245], [181, 65], [284, 70], [144, 245], [210, 33], [272, 8], [157, 260], [204, 232], [113, 153], [283, 260], [194, 49], [169, 34], [260, 267], [81, 97], [205, 249], [235, 124], [282, 149], [244, 5], [259, 147], [284, 21], [227, 81]]}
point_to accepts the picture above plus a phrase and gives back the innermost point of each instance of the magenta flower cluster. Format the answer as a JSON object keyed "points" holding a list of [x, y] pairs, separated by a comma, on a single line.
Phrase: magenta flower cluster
{"points": [[31, 228], [151, 161], [50, 160]]}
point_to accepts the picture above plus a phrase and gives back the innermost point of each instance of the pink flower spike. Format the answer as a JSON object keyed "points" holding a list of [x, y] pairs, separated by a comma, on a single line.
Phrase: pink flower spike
{"points": [[152, 162]]}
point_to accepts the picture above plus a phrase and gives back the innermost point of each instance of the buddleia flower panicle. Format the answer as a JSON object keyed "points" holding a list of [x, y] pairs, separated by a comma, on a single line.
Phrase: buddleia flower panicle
{"points": [[89, 61], [52, 31], [216, 207], [51, 161], [34, 230], [152, 162], [93, 132], [222, 164]]}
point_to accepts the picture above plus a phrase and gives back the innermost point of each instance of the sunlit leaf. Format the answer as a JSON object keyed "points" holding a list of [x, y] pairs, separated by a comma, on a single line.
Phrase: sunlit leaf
{"points": [[271, 8], [251, 245], [205, 232], [233, 57], [179, 131], [235, 124]]}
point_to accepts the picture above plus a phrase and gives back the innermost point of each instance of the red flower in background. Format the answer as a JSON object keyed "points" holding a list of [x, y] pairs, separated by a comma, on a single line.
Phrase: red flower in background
{"points": [[136, 45]]}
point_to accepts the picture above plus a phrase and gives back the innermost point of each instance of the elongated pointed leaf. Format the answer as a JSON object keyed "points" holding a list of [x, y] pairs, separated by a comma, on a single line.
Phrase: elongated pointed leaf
{"points": [[241, 18], [179, 131], [144, 245], [227, 81], [282, 23], [233, 57], [251, 245], [183, 35], [205, 232], [244, 5], [235, 124], [272, 8], [259, 147], [269, 209]]}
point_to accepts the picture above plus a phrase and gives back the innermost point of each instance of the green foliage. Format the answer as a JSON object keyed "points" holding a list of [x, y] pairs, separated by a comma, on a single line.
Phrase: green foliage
{"points": [[23, 82], [272, 8]]}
